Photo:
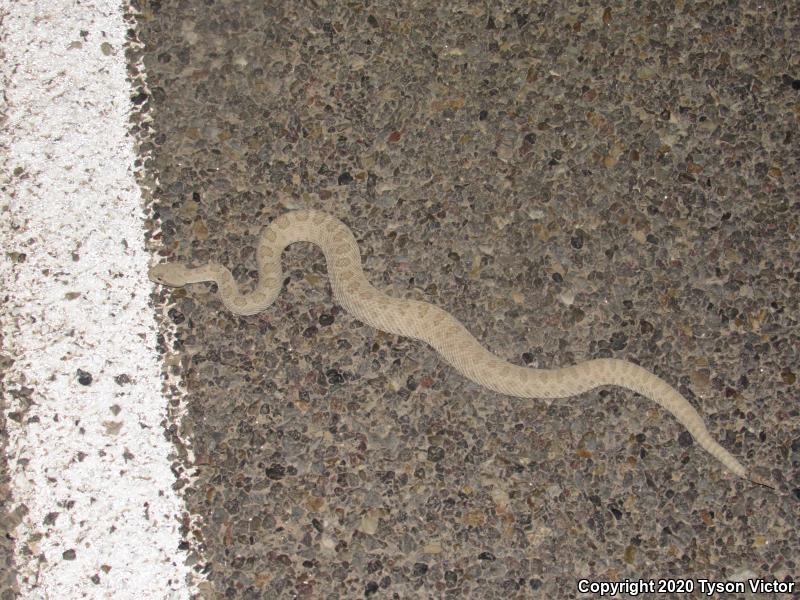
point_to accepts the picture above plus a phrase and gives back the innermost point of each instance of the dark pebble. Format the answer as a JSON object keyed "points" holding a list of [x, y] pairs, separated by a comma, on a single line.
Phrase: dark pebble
{"points": [[483, 114], [68, 555], [535, 583], [619, 340], [276, 471], [577, 239], [420, 569], [176, 316], [685, 439], [435, 453], [325, 319], [527, 358], [451, 577], [486, 556], [345, 178], [310, 332], [334, 376], [370, 588], [84, 378], [557, 277]]}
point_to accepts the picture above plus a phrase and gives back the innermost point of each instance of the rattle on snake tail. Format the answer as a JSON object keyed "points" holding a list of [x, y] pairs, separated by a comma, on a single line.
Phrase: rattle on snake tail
{"points": [[430, 324]]}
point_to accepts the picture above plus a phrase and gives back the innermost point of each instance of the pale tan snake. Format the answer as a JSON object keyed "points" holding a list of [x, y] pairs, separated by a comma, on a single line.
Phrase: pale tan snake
{"points": [[432, 325]]}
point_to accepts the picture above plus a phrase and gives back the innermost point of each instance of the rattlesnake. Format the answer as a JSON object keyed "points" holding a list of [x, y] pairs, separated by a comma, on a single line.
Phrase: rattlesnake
{"points": [[430, 324]]}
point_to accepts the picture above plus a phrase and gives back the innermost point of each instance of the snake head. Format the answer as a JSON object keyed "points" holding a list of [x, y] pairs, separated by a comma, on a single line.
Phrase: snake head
{"points": [[168, 274]]}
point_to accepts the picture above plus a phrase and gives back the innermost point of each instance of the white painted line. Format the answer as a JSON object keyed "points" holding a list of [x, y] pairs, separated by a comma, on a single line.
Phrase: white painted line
{"points": [[87, 452]]}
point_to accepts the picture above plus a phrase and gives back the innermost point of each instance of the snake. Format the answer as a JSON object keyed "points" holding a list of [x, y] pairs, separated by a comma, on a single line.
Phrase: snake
{"points": [[430, 324]]}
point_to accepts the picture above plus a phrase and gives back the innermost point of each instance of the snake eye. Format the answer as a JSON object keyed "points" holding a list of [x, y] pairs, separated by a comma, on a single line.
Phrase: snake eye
{"points": [[165, 274], [170, 274]]}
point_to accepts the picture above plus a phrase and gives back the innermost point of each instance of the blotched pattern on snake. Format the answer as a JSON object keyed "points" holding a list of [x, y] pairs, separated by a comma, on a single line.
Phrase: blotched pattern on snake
{"points": [[432, 325]]}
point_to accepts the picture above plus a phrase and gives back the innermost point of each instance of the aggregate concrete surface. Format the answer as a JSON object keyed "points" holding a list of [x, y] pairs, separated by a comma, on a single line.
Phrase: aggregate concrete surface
{"points": [[570, 181]]}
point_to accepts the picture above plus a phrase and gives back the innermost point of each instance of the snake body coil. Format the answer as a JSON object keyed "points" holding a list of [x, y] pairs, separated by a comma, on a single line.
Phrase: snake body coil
{"points": [[432, 325]]}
